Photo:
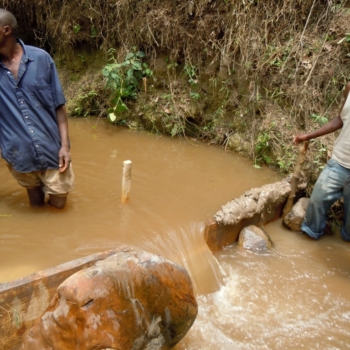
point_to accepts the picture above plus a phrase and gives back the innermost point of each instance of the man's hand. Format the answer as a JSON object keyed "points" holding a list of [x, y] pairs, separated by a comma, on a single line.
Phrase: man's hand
{"points": [[334, 125], [300, 138], [64, 159], [63, 154]]}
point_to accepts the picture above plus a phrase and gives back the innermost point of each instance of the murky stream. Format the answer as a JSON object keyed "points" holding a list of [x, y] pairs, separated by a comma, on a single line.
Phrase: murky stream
{"points": [[295, 297]]}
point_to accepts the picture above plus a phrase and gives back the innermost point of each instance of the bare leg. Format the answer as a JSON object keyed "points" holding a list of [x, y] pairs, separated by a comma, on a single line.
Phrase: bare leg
{"points": [[58, 202], [36, 197]]}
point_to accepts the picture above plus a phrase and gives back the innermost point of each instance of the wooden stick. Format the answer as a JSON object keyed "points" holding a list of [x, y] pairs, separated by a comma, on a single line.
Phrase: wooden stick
{"points": [[144, 79], [126, 181], [295, 178]]}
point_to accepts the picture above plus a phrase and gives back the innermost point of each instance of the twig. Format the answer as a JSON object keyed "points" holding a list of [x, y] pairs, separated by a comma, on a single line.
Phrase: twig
{"points": [[155, 40]]}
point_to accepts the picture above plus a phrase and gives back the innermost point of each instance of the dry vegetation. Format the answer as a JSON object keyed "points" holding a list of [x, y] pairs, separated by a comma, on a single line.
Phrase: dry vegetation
{"points": [[241, 73]]}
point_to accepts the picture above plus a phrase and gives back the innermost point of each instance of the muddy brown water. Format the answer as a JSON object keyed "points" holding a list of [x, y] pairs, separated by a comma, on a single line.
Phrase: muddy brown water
{"points": [[295, 297]]}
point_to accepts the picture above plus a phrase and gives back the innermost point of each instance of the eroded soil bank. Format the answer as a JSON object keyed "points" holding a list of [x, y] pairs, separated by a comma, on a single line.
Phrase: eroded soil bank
{"points": [[243, 74]]}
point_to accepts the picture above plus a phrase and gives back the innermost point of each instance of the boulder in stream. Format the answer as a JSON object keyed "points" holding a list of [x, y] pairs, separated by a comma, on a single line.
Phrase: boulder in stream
{"points": [[295, 217], [130, 300], [255, 239], [257, 206]]}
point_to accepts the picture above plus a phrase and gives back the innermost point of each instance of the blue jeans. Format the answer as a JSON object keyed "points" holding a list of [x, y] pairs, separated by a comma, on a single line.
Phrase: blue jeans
{"points": [[332, 184]]}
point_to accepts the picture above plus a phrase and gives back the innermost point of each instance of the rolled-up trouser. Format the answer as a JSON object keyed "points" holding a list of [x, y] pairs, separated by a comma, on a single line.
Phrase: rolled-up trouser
{"points": [[332, 184], [51, 180]]}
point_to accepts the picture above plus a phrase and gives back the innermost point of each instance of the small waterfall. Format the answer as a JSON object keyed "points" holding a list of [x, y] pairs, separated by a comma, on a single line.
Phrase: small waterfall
{"points": [[186, 246]]}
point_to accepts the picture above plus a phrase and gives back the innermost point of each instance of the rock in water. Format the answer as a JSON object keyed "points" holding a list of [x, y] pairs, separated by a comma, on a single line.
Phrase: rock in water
{"points": [[255, 239], [131, 300], [295, 217]]}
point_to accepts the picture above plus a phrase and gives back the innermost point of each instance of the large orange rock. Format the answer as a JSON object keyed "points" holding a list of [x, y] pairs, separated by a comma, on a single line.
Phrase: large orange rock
{"points": [[131, 300]]}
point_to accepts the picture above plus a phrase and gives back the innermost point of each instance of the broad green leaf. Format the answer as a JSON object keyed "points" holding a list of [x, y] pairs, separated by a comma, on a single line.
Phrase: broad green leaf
{"points": [[121, 107], [137, 65], [130, 73], [129, 56]]}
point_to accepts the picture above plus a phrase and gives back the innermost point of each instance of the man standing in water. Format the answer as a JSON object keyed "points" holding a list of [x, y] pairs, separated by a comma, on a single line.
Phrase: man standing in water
{"points": [[33, 119], [334, 181]]}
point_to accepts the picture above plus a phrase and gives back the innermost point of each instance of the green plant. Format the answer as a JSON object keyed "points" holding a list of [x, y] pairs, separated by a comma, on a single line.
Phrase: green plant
{"points": [[208, 128], [285, 162], [175, 125], [171, 65], [191, 72], [319, 119], [166, 97], [93, 31], [321, 157], [262, 147], [86, 104], [263, 142], [219, 112], [123, 79], [195, 95], [76, 28]]}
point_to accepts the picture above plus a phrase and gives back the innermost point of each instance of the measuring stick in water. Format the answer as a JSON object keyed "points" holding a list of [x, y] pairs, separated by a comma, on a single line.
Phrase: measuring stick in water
{"points": [[295, 178], [126, 181]]}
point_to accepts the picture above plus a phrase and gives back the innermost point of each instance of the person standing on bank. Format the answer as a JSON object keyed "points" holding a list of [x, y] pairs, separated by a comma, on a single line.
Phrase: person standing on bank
{"points": [[33, 119], [334, 181]]}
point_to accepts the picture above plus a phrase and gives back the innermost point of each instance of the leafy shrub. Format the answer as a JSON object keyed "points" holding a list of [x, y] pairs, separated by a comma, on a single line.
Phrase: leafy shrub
{"points": [[123, 79]]}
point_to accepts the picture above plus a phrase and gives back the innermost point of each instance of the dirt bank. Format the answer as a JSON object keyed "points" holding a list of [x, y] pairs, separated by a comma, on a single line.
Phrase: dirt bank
{"points": [[246, 75]]}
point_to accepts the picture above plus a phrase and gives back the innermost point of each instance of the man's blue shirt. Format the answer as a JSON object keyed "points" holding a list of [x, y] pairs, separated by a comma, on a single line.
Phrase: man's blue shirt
{"points": [[29, 134]]}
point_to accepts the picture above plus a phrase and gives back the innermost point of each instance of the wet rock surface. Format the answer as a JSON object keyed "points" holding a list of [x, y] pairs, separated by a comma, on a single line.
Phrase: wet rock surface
{"points": [[253, 202], [295, 217], [131, 300], [255, 239], [257, 206]]}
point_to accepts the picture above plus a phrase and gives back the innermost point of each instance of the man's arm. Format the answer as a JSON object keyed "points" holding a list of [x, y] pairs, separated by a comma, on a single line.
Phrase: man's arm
{"points": [[330, 127], [334, 125], [62, 122]]}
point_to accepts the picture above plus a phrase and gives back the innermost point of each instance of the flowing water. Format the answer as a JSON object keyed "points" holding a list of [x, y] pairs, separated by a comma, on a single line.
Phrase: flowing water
{"points": [[295, 297]]}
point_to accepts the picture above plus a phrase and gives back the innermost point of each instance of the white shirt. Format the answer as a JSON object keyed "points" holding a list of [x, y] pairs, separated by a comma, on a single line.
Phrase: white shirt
{"points": [[341, 149]]}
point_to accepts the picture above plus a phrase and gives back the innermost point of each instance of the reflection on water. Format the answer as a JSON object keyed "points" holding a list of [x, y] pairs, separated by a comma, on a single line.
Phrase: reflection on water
{"points": [[296, 297]]}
